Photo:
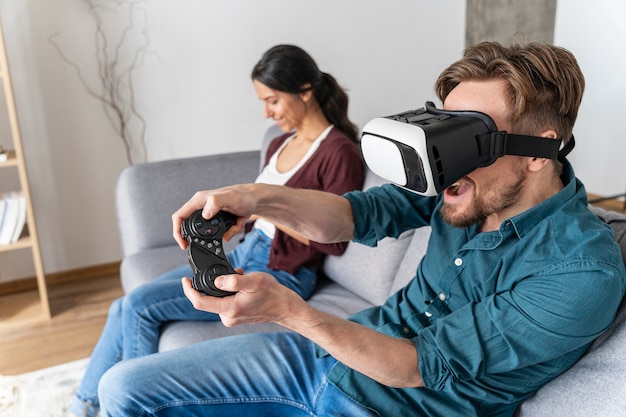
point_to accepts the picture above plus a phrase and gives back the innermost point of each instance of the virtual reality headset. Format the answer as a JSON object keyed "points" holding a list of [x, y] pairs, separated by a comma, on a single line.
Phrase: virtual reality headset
{"points": [[428, 149]]}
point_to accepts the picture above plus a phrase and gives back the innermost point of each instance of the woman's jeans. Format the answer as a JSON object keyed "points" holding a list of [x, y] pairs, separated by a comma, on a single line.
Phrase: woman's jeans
{"points": [[133, 326], [259, 374]]}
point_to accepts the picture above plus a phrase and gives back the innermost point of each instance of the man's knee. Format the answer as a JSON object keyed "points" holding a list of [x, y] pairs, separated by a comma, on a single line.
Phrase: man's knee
{"points": [[117, 388]]}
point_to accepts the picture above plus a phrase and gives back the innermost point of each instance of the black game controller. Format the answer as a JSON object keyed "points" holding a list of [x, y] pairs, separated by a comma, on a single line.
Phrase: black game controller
{"points": [[205, 252]]}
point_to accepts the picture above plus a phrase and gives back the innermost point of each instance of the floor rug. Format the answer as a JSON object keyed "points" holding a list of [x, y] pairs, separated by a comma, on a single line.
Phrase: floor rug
{"points": [[43, 393]]}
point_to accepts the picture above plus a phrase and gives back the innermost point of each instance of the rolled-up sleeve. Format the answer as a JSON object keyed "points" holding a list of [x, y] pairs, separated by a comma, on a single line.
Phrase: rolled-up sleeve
{"points": [[387, 211]]}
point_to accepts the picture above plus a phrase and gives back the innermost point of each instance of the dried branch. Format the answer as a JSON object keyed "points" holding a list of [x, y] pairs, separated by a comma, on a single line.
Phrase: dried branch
{"points": [[115, 79]]}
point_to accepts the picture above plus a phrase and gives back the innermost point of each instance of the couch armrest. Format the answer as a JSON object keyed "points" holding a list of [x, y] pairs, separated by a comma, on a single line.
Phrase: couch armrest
{"points": [[147, 194]]}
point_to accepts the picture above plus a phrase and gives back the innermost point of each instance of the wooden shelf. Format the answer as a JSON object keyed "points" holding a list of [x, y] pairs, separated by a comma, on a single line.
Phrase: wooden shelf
{"points": [[14, 308], [23, 243], [11, 160]]}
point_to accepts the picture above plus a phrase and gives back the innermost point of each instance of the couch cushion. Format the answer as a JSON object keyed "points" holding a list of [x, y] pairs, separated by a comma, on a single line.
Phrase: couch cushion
{"points": [[177, 334], [336, 299], [369, 272], [595, 386], [414, 254], [143, 267]]}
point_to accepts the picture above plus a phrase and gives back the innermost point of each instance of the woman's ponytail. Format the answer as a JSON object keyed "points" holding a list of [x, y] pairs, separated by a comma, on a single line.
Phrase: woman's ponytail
{"points": [[334, 103]]}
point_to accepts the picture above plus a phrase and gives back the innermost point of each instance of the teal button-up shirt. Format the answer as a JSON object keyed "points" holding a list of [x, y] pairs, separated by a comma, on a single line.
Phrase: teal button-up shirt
{"points": [[493, 316]]}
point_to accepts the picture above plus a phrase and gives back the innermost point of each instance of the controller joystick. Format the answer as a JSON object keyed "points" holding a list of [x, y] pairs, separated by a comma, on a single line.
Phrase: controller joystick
{"points": [[205, 252]]}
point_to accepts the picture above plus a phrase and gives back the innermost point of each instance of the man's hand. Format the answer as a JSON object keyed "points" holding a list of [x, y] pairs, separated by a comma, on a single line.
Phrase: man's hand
{"points": [[258, 299], [236, 200], [311, 214]]}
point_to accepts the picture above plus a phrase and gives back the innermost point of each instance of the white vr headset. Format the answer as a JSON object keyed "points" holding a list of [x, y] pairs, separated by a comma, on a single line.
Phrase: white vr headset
{"points": [[428, 149]]}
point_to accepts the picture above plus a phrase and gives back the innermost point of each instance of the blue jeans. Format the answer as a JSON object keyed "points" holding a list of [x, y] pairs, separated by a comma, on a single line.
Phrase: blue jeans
{"points": [[134, 322], [264, 374]]}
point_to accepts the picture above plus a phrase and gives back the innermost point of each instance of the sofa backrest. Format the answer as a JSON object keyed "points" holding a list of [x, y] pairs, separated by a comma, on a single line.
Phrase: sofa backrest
{"points": [[137, 188], [412, 257], [369, 272]]}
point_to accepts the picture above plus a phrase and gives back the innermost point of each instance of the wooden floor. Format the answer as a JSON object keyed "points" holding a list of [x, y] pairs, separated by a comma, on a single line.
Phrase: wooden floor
{"points": [[79, 310], [618, 205]]}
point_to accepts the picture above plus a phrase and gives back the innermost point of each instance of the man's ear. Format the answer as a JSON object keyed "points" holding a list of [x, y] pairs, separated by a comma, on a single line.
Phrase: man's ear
{"points": [[550, 133], [537, 164]]}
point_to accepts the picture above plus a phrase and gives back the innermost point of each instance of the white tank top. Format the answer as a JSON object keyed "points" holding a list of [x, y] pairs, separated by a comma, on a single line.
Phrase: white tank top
{"points": [[271, 175]]}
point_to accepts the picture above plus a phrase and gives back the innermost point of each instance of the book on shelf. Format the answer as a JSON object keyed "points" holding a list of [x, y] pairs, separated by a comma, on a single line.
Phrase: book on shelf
{"points": [[3, 205], [12, 216]]}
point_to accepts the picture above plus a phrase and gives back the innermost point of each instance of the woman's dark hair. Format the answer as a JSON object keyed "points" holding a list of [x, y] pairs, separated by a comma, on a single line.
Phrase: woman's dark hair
{"points": [[288, 68]]}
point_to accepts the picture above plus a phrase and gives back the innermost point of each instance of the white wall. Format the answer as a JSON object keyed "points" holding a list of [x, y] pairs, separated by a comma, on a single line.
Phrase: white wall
{"points": [[193, 90], [595, 32]]}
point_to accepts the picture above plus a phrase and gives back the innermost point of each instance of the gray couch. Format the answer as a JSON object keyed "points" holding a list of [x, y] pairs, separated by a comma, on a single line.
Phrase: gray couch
{"points": [[148, 194]]}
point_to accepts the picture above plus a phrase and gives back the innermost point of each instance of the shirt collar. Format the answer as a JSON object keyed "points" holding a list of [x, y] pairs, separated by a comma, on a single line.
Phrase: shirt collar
{"points": [[525, 221]]}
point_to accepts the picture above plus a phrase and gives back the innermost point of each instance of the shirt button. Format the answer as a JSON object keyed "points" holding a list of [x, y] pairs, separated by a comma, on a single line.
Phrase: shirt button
{"points": [[458, 261], [428, 314], [442, 297], [406, 330]]}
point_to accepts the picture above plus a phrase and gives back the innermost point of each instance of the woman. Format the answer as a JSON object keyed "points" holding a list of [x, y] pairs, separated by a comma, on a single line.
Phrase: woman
{"points": [[318, 151]]}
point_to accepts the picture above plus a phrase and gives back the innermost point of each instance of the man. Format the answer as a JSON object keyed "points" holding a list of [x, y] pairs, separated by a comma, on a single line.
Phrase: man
{"points": [[506, 298]]}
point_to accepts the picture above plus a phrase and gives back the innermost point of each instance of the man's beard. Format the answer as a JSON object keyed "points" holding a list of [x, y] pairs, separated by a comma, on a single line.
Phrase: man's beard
{"points": [[483, 206]]}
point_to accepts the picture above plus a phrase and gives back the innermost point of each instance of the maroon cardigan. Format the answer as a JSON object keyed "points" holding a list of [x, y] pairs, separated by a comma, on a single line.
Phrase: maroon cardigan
{"points": [[337, 167]]}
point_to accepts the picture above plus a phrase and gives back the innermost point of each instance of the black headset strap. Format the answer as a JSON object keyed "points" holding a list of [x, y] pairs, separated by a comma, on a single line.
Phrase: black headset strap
{"points": [[498, 144], [567, 148]]}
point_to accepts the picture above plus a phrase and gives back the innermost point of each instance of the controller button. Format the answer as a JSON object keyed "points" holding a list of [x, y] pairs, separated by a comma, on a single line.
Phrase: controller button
{"points": [[218, 251], [216, 242], [215, 222]]}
